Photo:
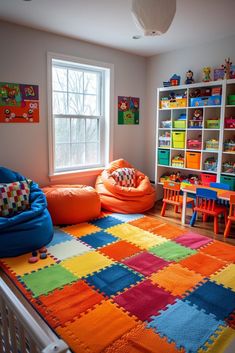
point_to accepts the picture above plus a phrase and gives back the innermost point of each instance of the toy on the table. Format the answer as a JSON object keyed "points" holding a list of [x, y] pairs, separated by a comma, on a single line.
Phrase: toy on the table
{"points": [[206, 74], [189, 77], [227, 68]]}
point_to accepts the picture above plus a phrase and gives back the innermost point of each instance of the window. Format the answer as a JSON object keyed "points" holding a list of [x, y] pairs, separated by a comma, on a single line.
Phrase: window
{"points": [[80, 114]]}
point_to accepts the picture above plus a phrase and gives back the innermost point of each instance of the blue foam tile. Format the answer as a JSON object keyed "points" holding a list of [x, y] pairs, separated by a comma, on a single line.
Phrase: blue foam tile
{"points": [[113, 279], [213, 298], [186, 325], [98, 239], [127, 217], [59, 237], [106, 222]]}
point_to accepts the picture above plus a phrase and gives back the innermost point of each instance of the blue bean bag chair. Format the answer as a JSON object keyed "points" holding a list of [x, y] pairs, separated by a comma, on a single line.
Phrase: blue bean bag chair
{"points": [[29, 230]]}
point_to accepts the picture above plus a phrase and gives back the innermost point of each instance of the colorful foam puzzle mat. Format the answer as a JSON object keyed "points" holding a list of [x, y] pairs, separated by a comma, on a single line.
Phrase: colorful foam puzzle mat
{"points": [[132, 283]]}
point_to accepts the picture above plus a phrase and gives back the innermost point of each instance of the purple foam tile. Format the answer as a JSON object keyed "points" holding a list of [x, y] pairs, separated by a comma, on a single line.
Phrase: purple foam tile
{"points": [[193, 240], [144, 300], [146, 263]]}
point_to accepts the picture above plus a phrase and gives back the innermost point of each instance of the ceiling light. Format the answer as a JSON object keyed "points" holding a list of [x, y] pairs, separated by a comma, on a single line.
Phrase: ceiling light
{"points": [[136, 37], [153, 17]]}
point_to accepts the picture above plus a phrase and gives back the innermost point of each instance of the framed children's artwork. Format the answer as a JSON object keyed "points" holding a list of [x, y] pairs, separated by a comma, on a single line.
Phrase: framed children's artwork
{"points": [[128, 110], [19, 103]]}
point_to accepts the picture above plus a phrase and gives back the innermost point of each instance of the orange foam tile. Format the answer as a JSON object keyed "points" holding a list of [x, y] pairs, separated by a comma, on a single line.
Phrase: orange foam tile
{"points": [[97, 329], [203, 264], [147, 223], [78, 230], [120, 250], [20, 265], [221, 250], [169, 231], [176, 279]]}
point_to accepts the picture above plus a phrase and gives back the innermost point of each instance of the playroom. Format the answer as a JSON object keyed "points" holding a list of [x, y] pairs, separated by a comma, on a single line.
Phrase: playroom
{"points": [[117, 176]]}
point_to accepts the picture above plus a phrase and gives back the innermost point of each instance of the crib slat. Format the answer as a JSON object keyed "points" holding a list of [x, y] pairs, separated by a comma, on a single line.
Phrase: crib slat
{"points": [[12, 328], [5, 333]]}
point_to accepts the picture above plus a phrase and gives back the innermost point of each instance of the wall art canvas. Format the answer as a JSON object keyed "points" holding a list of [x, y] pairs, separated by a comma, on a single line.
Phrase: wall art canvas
{"points": [[19, 103], [128, 110]]}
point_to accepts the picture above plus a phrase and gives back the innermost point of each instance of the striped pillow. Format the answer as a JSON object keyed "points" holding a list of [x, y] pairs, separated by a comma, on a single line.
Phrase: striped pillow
{"points": [[14, 198], [125, 177]]}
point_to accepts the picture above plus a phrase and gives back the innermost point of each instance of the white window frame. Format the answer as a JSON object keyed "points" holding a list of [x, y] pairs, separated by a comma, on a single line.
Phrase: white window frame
{"points": [[108, 113]]}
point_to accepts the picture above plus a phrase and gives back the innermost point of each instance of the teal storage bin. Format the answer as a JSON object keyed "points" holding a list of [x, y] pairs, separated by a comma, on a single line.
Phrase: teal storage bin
{"points": [[230, 180], [163, 157]]}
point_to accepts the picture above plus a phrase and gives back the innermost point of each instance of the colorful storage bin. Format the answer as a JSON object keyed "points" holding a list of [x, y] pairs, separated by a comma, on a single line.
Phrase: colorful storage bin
{"points": [[204, 101], [193, 160], [178, 161], [178, 103], [178, 139], [163, 157], [229, 123], [194, 145], [230, 180], [213, 124], [231, 99], [165, 140], [180, 124], [229, 146], [228, 167], [212, 145], [207, 179]]}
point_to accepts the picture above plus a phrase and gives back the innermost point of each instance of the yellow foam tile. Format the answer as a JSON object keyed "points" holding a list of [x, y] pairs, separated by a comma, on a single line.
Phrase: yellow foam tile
{"points": [[78, 230], [87, 263], [223, 341], [20, 265], [226, 277]]}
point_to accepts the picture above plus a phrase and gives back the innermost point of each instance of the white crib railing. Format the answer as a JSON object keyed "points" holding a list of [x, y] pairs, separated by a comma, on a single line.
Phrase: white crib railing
{"points": [[20, 332]]}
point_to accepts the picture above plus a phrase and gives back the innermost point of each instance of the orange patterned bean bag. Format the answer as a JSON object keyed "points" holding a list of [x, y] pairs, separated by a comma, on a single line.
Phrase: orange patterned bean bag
{"points": [[116, 197], [70, 204]]}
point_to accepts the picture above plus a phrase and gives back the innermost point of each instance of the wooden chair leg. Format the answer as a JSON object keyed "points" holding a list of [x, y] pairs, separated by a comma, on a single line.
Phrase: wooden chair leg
{"points": [[227, 229], [163, 209], [225, 217], [193, 219], [216, 225], [176, 209]]}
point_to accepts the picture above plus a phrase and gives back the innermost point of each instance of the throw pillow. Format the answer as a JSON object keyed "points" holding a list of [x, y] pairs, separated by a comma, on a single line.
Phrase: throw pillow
{"points": [[14, 198], [125, 177]]}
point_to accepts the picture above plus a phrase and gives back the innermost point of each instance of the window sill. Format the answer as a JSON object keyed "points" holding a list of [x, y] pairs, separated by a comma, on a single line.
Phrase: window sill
{"points": [[62, 176]]}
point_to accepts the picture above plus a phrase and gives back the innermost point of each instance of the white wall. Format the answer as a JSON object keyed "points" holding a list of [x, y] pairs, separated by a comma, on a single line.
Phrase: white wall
{"points": [[161, 67], [23, 58]]}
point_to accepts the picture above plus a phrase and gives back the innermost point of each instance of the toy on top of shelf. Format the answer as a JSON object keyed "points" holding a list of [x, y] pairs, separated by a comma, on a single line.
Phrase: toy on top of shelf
{"points": [[227, 68], [189, 77], [173, 81], [206, 74], [218, 74]]}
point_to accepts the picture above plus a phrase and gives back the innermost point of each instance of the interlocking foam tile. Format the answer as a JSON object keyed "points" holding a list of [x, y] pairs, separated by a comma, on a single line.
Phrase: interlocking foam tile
{"points": [[171, 251], [203, 264], [45, 280], [97, 329], [140, 339], [146, 305], [21, 266], [113, 279], [59, 237], [127, 217], [78, 230], [193, 240], [176, 279], [221, 250], [106, 222], [135, 235], [226, 277], [145, 263], [98, 239], [79, 298], [169, 231], [147, 223], [86, 264], [68, 249], [231, 320], [120, 250], [185, 325], [221, 342], [213, 299]]}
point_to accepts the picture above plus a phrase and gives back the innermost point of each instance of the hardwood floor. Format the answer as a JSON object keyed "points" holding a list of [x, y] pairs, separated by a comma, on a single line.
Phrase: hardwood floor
{"points": [[204, 228]]}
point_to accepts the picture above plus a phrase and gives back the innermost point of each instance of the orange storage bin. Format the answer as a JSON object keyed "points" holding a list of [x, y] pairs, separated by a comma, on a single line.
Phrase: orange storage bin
{"points": [[193, 160], [207, 179]]}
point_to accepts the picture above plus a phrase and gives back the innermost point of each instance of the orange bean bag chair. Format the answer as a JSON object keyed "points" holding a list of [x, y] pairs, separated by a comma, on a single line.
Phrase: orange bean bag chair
{"points": [[121, 199], [70, 204]]}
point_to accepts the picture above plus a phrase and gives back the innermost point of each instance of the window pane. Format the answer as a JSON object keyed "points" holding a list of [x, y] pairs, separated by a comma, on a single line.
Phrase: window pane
{"points": [[75, 103], [62, 155], [90, 105], [62, 130], [77, 130], [75, 81], [90, 82], [92, 154], [77, 154], [92, 130], [59, 79], [59, 103]]}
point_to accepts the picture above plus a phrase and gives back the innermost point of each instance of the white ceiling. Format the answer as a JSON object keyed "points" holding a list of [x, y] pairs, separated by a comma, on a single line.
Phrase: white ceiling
{"points": [[110, 23]]}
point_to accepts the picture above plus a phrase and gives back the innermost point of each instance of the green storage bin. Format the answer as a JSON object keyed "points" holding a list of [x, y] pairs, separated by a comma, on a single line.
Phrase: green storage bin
{"points": [[231, 99], [163, 157], [178, 139], [230, 180], [180, 124]]}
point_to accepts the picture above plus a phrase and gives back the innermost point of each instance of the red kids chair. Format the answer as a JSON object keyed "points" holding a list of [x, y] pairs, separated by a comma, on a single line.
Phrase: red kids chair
{"points": [[231, 216]]}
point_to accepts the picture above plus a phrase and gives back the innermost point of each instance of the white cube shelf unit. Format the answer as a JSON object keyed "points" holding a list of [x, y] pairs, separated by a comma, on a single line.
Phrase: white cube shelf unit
{"points": [[214, 133]]}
